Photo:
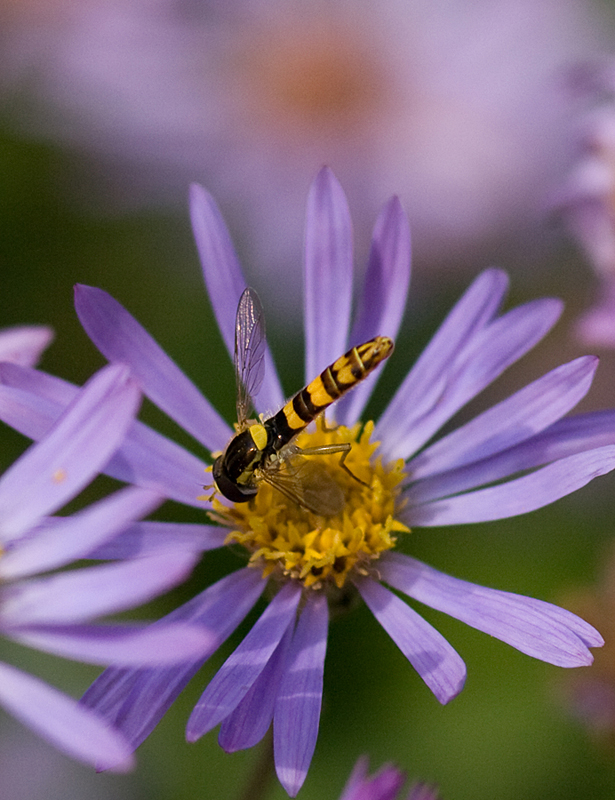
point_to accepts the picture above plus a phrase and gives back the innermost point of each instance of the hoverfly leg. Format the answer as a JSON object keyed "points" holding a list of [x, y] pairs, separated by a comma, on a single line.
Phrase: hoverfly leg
{"points": [[347, 469], [329, 449]]}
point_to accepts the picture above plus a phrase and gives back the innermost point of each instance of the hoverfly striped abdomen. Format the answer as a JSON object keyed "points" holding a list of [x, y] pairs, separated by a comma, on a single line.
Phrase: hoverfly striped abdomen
{"points": [[333, 382]]}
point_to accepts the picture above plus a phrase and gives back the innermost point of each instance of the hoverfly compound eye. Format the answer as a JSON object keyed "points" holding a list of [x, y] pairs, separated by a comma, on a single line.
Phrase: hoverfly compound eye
{"points": [[229, 488]]}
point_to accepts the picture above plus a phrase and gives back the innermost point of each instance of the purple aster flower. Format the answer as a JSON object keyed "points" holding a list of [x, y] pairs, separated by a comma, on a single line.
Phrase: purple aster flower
{"points": [[53, 612], [586, 200], [444, 103], [511, 459], [383, 785], [24, 344]]}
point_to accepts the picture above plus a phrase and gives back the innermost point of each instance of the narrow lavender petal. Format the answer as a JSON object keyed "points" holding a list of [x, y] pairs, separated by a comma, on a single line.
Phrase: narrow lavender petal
{"points": [[425, 381], [539, 629], [70, 538], [78, 445], [422, 791], [328, 273], [149, 538], [238, 673], [24, 344], [491, 351], [518, 496], [564, 438], [84, 594], [120, 645], [135, 700], [249, 722], [30, 402], [297, 709], [75, 730], [383, 300], [225, 283], [119, 337], [520, 416], [384, 785], [438, 664]]}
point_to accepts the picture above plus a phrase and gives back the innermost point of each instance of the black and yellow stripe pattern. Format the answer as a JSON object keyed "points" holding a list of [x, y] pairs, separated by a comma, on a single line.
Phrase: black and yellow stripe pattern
{"points": [[333, 382]]}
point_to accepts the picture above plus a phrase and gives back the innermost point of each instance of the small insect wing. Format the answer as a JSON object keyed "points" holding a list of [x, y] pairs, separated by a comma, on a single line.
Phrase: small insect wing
{"points": [[308, 484], [249, 351]]}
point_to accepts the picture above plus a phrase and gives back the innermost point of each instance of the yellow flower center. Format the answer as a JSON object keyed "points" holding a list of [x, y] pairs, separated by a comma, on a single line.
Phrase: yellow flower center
{"points": [[289, 542]]}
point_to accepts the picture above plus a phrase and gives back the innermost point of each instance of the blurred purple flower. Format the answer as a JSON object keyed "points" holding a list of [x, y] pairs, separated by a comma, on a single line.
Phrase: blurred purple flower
{"points": [[455, 107], [383, 785], [24, 344], [53, 612], [516, 457], [586, 200]]}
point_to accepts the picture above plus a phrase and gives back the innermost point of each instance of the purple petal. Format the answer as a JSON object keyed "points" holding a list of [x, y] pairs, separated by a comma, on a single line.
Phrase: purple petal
{"points": [[438, 664], [87, 593], [135, 700], [564, 438], [75, 730], [70, 538], [238, 673], [128, 646], [518, 496], [504, 425], [249, 722], [149, 538], [384, 785], [491, 351], [34, 400], [534, 627], [24, 344], [119, 337], [297, 709], [328, 273], [425, 382], [225, 283], [76, 448], [383, 299]]}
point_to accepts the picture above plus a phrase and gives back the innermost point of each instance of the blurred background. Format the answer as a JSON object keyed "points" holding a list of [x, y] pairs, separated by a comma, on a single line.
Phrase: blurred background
{"points": [[495, 123]]}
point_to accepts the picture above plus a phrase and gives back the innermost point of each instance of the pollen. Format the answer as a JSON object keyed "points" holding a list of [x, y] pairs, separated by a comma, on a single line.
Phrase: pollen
{"points": [[288, 542]]}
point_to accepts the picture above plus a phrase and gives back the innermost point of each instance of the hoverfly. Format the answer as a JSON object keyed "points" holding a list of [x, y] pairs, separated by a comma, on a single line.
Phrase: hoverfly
{"points": [[264, 450]]}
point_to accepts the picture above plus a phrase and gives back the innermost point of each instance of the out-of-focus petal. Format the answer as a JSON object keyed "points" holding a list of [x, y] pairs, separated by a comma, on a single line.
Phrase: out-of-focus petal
{"points": [[297, 709], [384, 785], [438, 664], [424, 383], [73, 537], [24, 344], [225, 283], [54, 470], [30, 402], [328, 273], [75, 730], [135, 700], [249, 722], [121, 645], [238, 673], [517, 496], [383, 299], [91, 592], [534, 627], [505, 424], [119, 337], [149, 538]]}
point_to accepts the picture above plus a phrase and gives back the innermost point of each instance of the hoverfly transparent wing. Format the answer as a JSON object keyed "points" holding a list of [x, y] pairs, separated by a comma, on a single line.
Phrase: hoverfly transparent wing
{"points": [[308, 484], [249, 351]]}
